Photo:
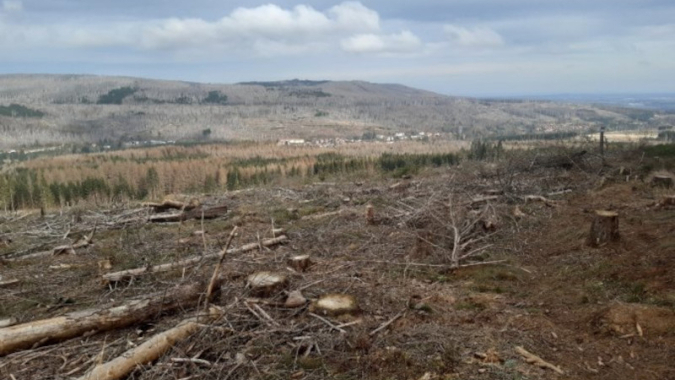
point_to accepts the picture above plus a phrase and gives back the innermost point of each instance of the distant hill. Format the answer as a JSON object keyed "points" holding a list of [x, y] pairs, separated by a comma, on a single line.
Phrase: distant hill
{"points": [[111, 110]]}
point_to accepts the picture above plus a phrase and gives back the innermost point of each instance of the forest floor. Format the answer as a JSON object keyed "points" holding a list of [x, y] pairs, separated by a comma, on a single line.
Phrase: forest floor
{"points": [[593, 313]]}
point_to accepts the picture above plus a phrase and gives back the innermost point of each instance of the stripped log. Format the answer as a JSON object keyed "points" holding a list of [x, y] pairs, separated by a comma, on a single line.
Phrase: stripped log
{"points": [[197, 213], [150, 350], [77, 323], [131, 273]]}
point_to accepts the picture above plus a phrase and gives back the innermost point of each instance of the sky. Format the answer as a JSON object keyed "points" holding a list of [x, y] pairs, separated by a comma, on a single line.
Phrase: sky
{"points": [[454, 47]]}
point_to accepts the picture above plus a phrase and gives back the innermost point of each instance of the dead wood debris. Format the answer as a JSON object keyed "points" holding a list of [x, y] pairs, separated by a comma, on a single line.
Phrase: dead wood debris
{"points": [[196, 213], [171, 204], [536, 360], [130, 273]]}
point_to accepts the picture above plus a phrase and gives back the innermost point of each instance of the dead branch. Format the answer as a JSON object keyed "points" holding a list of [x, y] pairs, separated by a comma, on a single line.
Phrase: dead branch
{"points": [[68, 249], [216, 270], [321, 216], [539, 198], [387, 323], [130, 273], [95, 320], [536, 360]]}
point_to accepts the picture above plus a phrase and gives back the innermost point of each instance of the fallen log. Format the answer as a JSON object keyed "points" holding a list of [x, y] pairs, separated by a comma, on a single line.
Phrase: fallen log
{"points": [[77, 323], [130, 273], [197, 213], [149, 351], [171, 204]]}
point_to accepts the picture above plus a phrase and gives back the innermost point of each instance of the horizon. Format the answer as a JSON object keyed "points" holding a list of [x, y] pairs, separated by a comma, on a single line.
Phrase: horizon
{"points": [[538, 96], [464, 48]]}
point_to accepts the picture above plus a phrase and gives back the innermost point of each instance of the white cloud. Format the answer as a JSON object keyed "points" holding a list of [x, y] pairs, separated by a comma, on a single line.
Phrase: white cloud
{"points": [[399, 43], [266, 24], [12, 5], [264, 30], [478, 36]]}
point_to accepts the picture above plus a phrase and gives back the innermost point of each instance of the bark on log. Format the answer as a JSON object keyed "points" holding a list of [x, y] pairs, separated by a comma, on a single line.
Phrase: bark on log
{"points": [[74, 324], [662, 181], [147, 352], [605, 228], [197, 213], [171, 204], [130, 273]]}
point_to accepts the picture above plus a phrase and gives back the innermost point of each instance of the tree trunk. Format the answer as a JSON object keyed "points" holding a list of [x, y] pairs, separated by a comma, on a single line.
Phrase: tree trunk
{"points": [[74, 324], [605, 228]]}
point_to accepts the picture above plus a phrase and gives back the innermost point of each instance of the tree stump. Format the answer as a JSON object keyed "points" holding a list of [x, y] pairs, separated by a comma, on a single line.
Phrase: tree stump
{"points": [[266, 284], [335, 304], [370, 214], [662, 181], [300, 263], [605, 228], [667, 202]]}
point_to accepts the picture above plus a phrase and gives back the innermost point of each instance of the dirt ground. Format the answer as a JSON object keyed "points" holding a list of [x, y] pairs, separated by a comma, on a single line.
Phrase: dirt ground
{"points": [[594, 313]]}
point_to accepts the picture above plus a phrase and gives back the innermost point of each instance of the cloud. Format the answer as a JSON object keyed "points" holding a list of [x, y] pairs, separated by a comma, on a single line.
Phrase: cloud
{"points": [[12, 5], [403, 42], [264, 25], [263, 30], [478, 36]]}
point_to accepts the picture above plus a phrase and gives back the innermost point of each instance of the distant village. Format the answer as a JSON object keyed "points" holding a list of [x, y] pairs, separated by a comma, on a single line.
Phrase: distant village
{"points": [[331, 142]]}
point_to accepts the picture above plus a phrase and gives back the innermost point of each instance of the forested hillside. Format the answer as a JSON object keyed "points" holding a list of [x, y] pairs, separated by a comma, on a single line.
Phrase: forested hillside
{"points": [[54, 109]]}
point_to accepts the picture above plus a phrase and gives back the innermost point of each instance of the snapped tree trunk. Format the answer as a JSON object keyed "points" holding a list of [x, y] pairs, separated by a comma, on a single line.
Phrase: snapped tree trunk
{"points": [[77, 323], [604, 229]]}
